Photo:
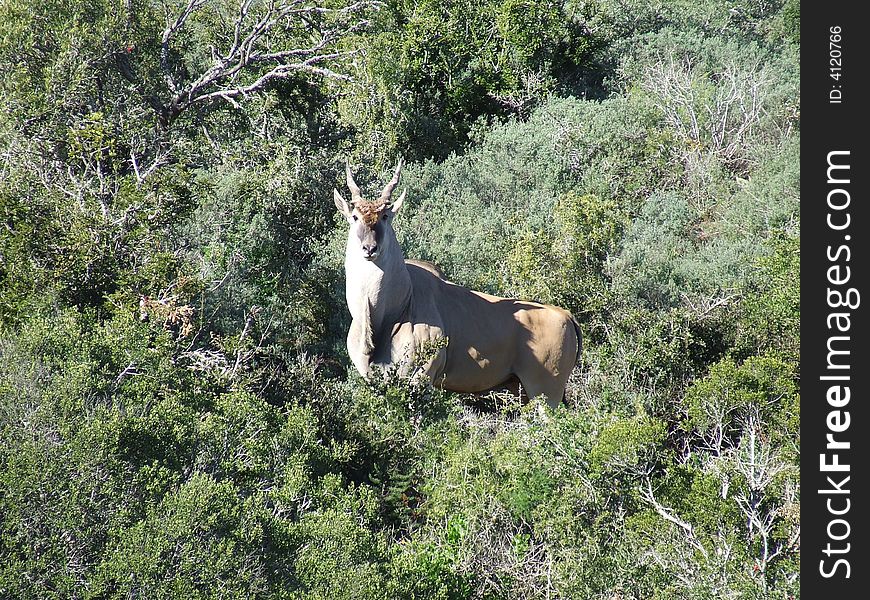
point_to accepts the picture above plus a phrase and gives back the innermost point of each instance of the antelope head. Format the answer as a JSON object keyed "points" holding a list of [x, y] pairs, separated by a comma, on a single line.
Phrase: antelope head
{"points": [[371, 234]]}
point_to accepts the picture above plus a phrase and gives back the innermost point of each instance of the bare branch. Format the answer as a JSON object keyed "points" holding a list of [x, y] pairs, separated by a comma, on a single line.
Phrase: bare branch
{"points": [[718, 114], [249, 50], [666, 514], [141, 175], [171, 28], [130, 370], [705, 306], [280, 72]]}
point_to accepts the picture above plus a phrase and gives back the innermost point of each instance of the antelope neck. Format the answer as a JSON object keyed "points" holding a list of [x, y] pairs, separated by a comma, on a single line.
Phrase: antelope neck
{"points": [[378, 291]]}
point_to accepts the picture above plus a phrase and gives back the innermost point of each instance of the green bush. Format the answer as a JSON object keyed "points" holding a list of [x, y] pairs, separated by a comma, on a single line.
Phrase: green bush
{"points": [[770, 312], [627, 447], [433, 69], [565, 265], [763, 386]]}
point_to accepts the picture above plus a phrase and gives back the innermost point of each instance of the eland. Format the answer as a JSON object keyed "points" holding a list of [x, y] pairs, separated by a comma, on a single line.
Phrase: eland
{"points": [[405, 308]]}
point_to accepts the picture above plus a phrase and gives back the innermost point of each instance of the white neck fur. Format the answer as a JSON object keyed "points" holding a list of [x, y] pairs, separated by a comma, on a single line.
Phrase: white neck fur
{"points": [[378, 292]]}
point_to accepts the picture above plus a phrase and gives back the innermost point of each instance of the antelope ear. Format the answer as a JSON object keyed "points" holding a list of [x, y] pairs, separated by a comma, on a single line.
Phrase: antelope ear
{"points": [[342, 205], [395, 206]]}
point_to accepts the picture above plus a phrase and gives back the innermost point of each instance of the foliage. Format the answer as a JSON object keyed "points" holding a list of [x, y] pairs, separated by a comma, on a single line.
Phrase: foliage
{"points": [[177, 415], [565, 267], [434, 68], [771, 318]]}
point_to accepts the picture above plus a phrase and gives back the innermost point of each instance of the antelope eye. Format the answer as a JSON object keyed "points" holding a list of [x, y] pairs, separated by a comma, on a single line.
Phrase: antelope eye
{"points": [[386, 217], [355, 218]]}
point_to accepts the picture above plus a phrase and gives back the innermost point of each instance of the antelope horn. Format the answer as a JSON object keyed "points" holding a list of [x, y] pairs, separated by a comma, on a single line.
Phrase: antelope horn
{"points": [[388, 189], [355, 195]]}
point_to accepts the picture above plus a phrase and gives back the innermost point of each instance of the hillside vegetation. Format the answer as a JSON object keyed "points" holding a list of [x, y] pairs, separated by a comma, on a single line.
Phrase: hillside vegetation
{"points": [[178, 415]]}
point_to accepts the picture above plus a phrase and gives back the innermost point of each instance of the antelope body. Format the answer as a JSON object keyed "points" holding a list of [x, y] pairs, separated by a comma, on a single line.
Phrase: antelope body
{"points": [[402, 307]]}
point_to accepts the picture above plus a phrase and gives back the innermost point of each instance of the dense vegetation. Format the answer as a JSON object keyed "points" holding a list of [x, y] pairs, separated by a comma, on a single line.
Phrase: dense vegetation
{"points": [[177, 418]]}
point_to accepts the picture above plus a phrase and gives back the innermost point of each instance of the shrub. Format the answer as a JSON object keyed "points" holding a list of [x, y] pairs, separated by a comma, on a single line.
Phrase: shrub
{"points": [[770, 313], [718, 95], [718, 405], [433, 69]]}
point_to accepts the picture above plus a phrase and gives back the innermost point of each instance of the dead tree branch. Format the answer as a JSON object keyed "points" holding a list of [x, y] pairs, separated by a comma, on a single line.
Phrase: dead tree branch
{"points": [[668, 515], [249, 62]]}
